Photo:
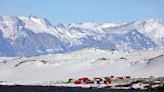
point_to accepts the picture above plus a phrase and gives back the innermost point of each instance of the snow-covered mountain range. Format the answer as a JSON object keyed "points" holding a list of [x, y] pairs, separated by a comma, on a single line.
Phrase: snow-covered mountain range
{"points": [[30, 36]]}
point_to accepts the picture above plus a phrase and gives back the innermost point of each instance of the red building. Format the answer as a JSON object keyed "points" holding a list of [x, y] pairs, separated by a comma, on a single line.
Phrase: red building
{"points": [[77, 82], [85, 79], [108, 81]]}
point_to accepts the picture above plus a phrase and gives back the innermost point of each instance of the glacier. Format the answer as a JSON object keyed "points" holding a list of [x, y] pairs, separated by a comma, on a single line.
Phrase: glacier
{"points": [[33, 36]]}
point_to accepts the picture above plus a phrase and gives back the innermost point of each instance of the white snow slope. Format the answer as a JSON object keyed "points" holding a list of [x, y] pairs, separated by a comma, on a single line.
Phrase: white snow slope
{"points": [[87, 62], [30, 36]]}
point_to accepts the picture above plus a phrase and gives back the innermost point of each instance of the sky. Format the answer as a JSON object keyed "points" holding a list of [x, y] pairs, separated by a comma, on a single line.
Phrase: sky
{"points": [[77, 11]]}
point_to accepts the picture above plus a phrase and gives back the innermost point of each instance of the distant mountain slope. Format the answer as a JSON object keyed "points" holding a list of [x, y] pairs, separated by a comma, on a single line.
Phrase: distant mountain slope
{"points": [[82, 63], [29, 36]]}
